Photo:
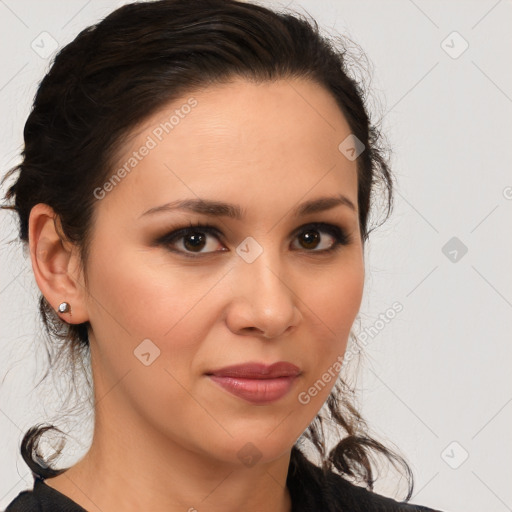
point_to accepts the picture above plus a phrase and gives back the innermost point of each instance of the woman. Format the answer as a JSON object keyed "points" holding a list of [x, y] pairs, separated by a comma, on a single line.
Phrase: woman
{"points": [[195, 192]]}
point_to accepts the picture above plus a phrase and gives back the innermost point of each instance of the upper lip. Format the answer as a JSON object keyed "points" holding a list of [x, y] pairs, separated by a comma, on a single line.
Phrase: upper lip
{"points": [[258, 370]]}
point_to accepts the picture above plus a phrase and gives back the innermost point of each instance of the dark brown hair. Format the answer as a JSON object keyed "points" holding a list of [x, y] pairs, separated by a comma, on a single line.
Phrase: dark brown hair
{"points": [[117, 73]]}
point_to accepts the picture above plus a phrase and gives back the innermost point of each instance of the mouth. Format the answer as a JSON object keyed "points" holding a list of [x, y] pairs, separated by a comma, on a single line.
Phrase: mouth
{"points": [[258, 370], [256, 391], [257, 383]]}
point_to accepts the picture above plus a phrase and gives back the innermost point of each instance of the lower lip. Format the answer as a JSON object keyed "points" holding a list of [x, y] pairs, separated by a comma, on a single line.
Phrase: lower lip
{"points": [[256, 391]]}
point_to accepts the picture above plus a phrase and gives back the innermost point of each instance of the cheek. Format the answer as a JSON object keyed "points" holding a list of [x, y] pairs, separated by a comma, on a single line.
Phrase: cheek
{"points": [[336, 296], [134, 300], [138, 295], [332, 307]]}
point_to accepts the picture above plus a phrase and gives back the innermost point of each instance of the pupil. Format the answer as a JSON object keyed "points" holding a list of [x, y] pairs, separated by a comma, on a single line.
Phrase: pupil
{"points": [[311, 238], [197, 240]]}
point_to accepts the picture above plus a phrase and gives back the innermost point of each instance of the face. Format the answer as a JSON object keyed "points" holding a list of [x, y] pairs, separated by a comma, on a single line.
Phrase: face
{"points": [[169, 303]]}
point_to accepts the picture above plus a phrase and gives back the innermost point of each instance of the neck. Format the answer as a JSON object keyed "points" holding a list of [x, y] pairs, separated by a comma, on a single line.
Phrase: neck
{"points": [[130, 472]]}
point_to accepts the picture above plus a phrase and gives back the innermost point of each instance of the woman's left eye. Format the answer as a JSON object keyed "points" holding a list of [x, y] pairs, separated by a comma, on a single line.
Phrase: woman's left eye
{"points": [[310, 237], [191, 241]]}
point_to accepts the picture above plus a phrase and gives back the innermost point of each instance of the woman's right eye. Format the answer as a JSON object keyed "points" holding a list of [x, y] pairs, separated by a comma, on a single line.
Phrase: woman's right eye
{"points": [[192, 240]]}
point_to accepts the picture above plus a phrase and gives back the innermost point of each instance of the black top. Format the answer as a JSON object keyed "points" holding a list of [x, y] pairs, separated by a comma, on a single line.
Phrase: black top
{"points": [[308, 491]]}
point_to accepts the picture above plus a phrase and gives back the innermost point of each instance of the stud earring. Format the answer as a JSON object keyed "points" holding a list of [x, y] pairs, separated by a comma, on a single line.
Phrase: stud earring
{"points": [[64, 307]]}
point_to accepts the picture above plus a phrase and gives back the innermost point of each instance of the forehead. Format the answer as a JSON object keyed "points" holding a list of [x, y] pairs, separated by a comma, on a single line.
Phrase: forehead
{"points": [[244, 139]]}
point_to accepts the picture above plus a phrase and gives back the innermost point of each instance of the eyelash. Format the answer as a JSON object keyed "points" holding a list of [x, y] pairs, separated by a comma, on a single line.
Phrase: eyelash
{"points": [[341, 237]]}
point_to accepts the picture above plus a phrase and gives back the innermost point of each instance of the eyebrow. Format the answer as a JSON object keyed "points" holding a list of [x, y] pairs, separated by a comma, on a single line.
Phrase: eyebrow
{"points": [[234, 211]]}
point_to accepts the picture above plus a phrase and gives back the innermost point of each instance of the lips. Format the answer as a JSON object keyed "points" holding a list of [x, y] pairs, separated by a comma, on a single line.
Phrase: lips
{"points": [[258, 371], [257, 383]]}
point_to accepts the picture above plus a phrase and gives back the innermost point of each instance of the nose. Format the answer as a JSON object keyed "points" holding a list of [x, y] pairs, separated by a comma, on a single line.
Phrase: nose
{"points": [[263, 301]]}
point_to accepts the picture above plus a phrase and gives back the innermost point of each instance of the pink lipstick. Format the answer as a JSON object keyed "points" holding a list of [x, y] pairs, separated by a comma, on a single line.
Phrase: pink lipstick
{"points": [[257, 383]]}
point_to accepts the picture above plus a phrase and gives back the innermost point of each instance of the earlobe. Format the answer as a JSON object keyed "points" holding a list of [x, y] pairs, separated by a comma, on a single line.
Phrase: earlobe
{"points": [[55, 266]]}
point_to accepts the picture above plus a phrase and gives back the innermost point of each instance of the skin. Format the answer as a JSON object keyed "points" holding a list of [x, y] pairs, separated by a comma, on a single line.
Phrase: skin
{"points": [[166, 437]]}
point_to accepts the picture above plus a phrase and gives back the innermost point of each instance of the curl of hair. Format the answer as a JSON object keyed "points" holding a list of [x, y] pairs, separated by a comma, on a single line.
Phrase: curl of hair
{"points": [[141, 57]]}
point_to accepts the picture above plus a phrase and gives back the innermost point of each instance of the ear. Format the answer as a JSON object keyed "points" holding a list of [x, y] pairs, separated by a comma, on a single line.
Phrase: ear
{"points": [[55, 263]]}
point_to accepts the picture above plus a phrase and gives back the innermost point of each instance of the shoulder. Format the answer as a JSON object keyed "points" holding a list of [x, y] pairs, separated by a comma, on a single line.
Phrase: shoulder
{"points": [[24, 502], [42, 498], [356, 498], [312, 491]]}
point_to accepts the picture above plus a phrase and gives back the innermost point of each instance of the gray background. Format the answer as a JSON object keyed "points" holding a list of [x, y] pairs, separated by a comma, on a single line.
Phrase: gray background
{"points": [[435, 380]]}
